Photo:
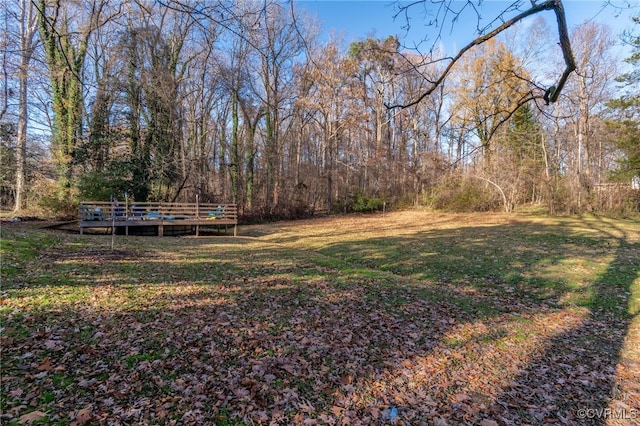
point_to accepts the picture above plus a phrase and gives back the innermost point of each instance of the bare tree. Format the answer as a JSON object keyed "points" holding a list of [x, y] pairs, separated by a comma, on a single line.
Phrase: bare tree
{"points": [[28, 43], [326, 88], [5, 43], [280, 43], [587, 91]]}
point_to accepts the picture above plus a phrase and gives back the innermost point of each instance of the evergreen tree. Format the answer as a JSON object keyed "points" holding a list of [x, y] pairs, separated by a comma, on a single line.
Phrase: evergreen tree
{"points": [[624, 127]]}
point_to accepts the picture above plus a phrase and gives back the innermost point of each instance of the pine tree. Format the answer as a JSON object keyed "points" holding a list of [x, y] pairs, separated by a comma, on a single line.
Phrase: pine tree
{"points": [[624, 126]]}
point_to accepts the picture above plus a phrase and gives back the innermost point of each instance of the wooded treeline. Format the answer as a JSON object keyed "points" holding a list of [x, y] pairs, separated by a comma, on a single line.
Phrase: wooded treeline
{"points": [[244, 102]]}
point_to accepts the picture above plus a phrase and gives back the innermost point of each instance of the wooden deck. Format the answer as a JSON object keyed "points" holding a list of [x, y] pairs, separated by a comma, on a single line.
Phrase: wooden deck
{"points": [[159, 216]]}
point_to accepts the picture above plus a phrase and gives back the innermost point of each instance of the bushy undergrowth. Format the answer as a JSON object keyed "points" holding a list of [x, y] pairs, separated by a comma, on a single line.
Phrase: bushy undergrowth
{"points": [[463, 195]]}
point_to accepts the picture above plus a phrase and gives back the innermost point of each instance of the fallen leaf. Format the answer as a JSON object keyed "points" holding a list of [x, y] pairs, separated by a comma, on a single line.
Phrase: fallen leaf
{"points": [[45, 365], [460, 397], [83, 417], [31, 417], [51, 344], [15, 393]]}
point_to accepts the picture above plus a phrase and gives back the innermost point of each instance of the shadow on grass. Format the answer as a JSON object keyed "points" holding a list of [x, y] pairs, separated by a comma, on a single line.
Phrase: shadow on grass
{"points": [[424, 323], [574, 378]]}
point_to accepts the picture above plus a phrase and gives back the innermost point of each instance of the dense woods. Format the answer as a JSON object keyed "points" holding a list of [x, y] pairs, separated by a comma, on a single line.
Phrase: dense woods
{"points": [[245, 102]]}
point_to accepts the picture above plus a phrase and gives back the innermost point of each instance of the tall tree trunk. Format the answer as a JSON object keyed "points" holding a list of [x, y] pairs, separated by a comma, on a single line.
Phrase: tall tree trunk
{"points": [[235, 147], [328, 160], [21, 144], [28, 28]]}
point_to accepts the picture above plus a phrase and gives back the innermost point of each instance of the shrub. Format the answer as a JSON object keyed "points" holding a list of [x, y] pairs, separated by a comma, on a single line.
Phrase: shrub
{"points": [[364, 204], [463, 195], [58, 205]]}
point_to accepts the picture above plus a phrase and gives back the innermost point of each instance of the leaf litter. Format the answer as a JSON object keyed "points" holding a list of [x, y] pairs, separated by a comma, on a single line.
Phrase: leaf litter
{"points": [[248, 331]]}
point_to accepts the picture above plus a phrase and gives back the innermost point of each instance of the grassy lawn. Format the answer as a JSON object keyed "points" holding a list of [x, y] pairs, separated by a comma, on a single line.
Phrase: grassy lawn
{"points": [[408, 318]]}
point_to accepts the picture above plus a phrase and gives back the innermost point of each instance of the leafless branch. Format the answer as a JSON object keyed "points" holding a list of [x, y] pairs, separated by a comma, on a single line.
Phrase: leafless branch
{"points": [[553, 92], [49, 26], [221, 14]]}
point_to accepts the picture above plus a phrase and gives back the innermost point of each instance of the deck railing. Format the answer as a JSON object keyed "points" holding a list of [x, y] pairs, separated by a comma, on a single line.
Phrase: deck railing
{"points": [[98, 214]]}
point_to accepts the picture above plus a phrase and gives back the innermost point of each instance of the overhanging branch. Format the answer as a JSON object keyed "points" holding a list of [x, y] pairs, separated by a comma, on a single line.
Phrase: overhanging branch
{"points": [[553, 92]]}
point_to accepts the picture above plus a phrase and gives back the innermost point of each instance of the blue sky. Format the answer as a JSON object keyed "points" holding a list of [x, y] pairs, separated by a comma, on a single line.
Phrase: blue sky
{"points": [[359, 18]]}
